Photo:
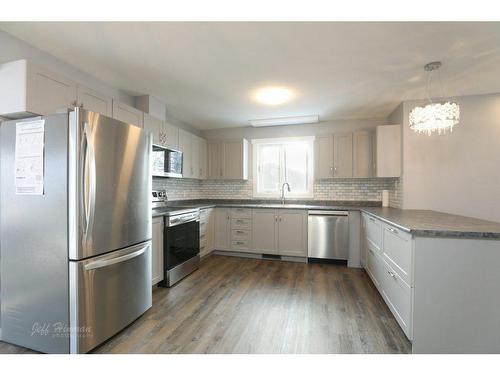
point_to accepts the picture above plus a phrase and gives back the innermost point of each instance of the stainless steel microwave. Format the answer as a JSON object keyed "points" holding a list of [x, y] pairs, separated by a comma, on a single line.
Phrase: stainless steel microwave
{"points": [[166, 162]]}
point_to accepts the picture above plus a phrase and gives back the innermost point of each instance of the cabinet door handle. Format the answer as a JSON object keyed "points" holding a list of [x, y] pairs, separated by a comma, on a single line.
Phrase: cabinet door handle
{"points": [[371, 251], [392, 230], [280, 219], [240, 243], [276, 218], [392, 274], [372, 219], [240, 232]]}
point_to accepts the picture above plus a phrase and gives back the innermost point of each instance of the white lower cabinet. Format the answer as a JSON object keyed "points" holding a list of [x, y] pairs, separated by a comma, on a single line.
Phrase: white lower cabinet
{"points": [[207, 228], [397, 294], [222, 229], [157, 251], [292, 233], [263, 231], [374, 266], [264, 240], [389, 263]]}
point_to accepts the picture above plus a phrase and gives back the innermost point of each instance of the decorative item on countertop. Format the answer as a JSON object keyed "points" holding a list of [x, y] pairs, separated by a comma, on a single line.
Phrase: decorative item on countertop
{"points": [[385, 198], [434, 116]]}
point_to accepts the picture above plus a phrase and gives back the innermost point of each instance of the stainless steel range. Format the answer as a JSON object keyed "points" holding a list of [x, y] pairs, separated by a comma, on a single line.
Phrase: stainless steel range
{"points": [[181, 240]]}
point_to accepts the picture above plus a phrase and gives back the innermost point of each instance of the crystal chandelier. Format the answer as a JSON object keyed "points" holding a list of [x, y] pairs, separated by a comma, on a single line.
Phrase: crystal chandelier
{"points": [[434, 117]]}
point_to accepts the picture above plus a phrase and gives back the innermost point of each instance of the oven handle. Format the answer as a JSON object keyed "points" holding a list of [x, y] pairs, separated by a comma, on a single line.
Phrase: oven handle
{"points": [[170, 224]]}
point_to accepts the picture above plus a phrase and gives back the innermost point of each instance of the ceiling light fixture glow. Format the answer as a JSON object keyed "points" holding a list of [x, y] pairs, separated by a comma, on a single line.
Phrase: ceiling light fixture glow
{"points": [[285, 121], [273, 95]]}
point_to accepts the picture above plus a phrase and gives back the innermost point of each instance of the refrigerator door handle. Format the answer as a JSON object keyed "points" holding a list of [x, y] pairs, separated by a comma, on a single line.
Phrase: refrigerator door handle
{"points": [[88, 183], [119, 259]]}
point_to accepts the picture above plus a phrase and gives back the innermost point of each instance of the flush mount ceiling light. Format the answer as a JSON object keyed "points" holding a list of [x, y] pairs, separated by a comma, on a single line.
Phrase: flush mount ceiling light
{"points": [[435, 116], [273, 95], [285, 121]]}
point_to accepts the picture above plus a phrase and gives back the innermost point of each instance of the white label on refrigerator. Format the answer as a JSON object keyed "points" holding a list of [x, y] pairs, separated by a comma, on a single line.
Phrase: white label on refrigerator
{"points": [[29, 157]]}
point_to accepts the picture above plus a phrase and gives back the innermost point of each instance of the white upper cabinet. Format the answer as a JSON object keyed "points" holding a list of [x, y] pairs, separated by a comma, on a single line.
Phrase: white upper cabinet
{"points": [[362, 154], [235, 160], [214, 158], [388, 151], [27, 89], [195, 156], [342, 155], [228, 160], [94, 101], [185, 147], [324, 157], [171, 134], [127, 114], [155, 126], [203, 159]]}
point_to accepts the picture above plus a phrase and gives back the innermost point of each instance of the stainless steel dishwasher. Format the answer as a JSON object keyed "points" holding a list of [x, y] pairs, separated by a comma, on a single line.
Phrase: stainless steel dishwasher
{"points": [[328, 235]]}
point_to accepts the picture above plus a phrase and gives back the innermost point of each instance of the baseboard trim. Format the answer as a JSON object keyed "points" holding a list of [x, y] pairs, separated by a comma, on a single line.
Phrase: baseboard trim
{"points": [[281, 258]]}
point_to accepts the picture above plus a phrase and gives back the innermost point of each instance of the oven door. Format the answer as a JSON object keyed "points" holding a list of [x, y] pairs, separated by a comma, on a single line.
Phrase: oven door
{"points": [[182, 243]]}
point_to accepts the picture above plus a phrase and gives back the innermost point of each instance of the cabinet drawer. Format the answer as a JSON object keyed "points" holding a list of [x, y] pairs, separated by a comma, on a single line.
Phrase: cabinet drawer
{"points": [[241, 234], [203, 227], [241, 224], [374, 266], [373, 230], [397, 294], [397, 251], [242, 245], [241, 213]]}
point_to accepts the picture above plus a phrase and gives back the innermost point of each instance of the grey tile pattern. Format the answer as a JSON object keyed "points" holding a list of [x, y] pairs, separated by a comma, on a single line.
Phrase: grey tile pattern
{"points": [[427, 223], [396, 194], [178, 188], [353, 189], [331, 190]]}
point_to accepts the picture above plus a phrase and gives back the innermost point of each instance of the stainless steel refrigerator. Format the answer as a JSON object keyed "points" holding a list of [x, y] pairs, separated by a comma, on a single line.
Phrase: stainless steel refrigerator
{"points": [[76, 255]]}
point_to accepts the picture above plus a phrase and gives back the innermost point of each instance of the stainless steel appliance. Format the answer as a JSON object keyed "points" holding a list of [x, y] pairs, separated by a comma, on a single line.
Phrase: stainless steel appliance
{"points": [[166, 162], [328, 235], [76, 260], [181, 239]]}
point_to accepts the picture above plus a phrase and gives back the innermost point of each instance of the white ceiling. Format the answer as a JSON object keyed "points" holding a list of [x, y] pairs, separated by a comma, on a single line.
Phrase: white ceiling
{"points": [[206, 72]]}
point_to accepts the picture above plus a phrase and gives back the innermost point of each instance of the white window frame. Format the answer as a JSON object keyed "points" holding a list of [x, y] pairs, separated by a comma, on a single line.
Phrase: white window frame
{"points": [[310, 167]]}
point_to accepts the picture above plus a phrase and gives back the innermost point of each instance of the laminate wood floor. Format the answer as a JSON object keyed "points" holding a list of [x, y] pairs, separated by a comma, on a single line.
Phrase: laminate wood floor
{"points": [[239, 305]]}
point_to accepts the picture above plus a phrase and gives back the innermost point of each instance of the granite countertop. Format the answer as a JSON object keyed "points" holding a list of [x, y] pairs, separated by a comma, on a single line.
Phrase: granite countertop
{"points": [[293, 204], [427, 223], [255, 203]]}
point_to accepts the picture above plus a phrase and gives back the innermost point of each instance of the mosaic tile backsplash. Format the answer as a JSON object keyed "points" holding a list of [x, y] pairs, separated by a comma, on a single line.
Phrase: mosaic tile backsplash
{"points": [[341, 189]]}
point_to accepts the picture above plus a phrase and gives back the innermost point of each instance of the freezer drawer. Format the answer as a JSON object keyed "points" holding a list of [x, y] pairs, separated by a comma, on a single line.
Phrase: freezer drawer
{"points": [[107, 293], [328, 235]]}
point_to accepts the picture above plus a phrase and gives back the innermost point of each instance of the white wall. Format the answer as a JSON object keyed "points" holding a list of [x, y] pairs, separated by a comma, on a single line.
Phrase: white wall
{"points": [[458, 172]]}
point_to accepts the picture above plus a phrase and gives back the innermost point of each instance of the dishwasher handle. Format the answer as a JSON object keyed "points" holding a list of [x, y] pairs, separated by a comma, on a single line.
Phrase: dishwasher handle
{"points": [[328, 213]]}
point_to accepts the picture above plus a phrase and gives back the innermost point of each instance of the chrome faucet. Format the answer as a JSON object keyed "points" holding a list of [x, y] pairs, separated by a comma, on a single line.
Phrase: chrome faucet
{"points": [[283, 191]]}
